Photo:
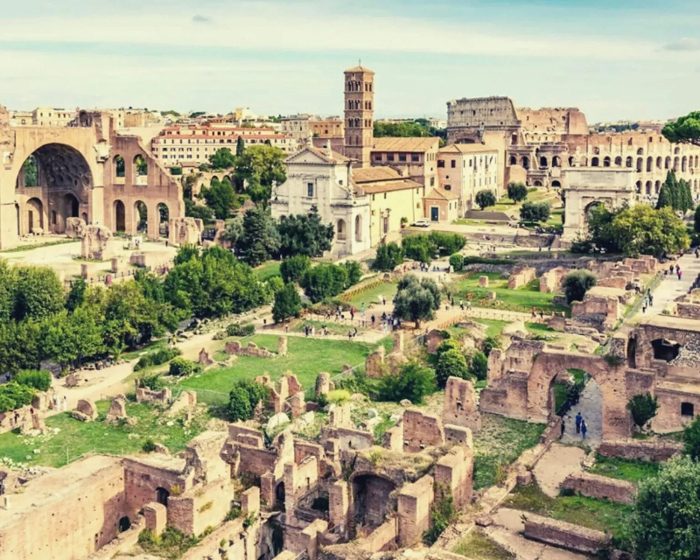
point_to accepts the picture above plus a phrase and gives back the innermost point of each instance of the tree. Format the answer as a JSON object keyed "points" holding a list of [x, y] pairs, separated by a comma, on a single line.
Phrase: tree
{"points": [[489, 343], [243, 398], [675, 194], [691, 439], [389, 256], [517, 192], [37, 379], [76, 294], [451, 363], [240, 147], [14, 396], [685, 130], [8, 285], [181, 367], [576, 284], [479, 365], [293, 268], [38, 294], [485, 198], [324, 281], [234, 231], [457, 262], [287, 303], [416, 300], [222, 159], [220, 197], [664, 524], [304, 234], [262, 167], [643, 230], [413, 382], [193, 210], [535, 212], [354, 271], [687, 195], [260, 240], [643, 408]]}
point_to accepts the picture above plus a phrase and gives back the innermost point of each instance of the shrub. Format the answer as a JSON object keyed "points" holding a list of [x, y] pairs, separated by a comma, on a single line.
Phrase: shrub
{"points": [[13, 396], [442, 513], [157, 358], [489, 343], [389, 256], [535, 212], [691, 439], [324, 281], [354, 272], [243, 398], [643, 408], [338, 396], [236, 329], [416, 300], [293, 268], [445, 345], [180, 367], [485, 198], [577, 284], [479, 365], [413, 382], [176, 170], [38, 379], [457, 262], [152, 382], [451, 363], [149, 446]]}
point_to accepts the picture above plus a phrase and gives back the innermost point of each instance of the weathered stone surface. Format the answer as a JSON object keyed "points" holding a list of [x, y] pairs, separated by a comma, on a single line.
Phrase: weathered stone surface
{"points": [[483, 281], [654, 450], [95, 243], [459, 404], [75, 228], [185, 231], [282, 346], [374, 365], [521, 277], [235, 347], [601, 487], [87, 407], [276, 421], [203, 358], [565, 535], [323, 381], [117, 409]]}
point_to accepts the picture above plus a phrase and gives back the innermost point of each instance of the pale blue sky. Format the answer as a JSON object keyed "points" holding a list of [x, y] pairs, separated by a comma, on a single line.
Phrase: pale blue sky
{"points": [[614, 59]]}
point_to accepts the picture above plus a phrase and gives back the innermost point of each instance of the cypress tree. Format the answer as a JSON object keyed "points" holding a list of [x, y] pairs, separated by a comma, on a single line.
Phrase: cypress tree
{"points": [[664, 197], [240, 147]]}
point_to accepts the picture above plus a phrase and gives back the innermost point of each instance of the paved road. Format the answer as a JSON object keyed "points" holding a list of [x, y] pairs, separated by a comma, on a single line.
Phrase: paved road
{"points": [[671, 287]]}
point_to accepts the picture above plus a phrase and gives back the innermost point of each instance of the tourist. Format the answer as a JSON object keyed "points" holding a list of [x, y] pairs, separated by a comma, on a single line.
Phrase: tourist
{"points": [[65, 403], [383, 300], [469, 305], [680, 273], [373, 320], [563, 428], [352, 313], [362, 308], [579, 419], [697, 253], [584, 428], [678, 268], [534, 312], [541, 315]]}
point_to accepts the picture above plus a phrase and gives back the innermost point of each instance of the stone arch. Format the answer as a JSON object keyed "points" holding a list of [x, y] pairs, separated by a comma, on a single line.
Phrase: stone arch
{"points": [[513, 160], [684, 163], [538, 183], [657, 187], [341, 230], [606, 161], [162, 495], [667, 162], [163, 219], [544, 162], [640, 164], [525, 162], [280, 496], [119, 216], [611, 380], [571, 161], [358, 228], [638, 186], [34, 216], [556, 161], [676, 161], [119, 167], [140, 217], [640, 152], [628, 162], [650, 164], [618, 161], [556, 184], [676, 150], [647, 187], [595, 161], [659, 162]]}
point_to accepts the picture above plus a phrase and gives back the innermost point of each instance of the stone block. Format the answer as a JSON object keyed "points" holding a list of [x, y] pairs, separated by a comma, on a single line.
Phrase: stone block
{"points": [[282, 346], [156, 517], [95, 243], [323, 381], [117, 409], [185, 231], [250, 500], [87, 407], [565, 535], [75, 228], [374, 365], [203, 358], [601, 487], [483, 281]]}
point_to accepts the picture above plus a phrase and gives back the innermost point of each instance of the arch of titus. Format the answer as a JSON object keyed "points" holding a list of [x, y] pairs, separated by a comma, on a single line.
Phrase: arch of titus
{"points": [[87, 171], [585, 188]]}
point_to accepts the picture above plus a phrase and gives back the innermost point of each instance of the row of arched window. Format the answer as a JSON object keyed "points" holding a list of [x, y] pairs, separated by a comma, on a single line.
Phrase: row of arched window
{"points": [[139, 167], [356, 105], [676, 163], [655, 187], [357, 86], [357, 123]]}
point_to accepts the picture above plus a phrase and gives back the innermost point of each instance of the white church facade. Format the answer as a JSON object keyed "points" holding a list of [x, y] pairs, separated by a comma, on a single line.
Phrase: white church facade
{"points": [[322, 179]]}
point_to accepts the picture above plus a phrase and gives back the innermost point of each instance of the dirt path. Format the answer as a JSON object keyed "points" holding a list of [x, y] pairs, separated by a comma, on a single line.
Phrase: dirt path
{"points": [[559, 462]]}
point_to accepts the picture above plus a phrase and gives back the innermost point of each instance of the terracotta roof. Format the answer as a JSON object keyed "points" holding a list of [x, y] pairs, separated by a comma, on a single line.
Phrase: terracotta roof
{"points": [[373, 174], [390, 144], [360, 69], [389, 186], [441, 194], [465, 149]]}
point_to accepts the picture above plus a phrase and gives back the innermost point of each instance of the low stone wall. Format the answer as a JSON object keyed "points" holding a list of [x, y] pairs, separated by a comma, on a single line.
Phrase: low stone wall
{"points": [[565, 535], [601, 487], [236, 348], [654, 450]]}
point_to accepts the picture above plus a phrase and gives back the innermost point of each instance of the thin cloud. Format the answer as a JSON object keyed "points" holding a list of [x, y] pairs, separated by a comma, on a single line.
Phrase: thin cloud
{"points": [[684, 44], [200, 19]]}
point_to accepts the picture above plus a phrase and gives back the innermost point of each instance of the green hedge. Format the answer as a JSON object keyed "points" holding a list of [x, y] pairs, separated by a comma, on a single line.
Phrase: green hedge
{"points": [[157, 358]]}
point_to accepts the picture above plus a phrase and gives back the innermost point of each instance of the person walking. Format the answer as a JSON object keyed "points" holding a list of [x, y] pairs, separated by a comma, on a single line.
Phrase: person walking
{"points": [[579, 419], [534, 312], [680, 274], [584, 428], [563, 428]]}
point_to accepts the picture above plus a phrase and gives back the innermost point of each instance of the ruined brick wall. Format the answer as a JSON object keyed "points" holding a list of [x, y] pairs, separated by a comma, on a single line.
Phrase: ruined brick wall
{"points": [[601, 487], [236, 348], [655, 450], [255, 461], [85, 518], [521, 276], [687, 310], [421, 430], [414, 510], [566, 535], [231, 538], [348, 439], [382, 538], [459, 404], [141, 482], [200, 507], [455, 471], [672, 399]]}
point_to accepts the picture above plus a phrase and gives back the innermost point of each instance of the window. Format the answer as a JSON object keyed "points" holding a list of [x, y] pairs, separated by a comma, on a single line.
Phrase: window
{"points": [[432, 181], [687, 409], [448, 187], [390, 157], [415, 158], [402, 157], [309, 190], [453, 164], [441, 163]]}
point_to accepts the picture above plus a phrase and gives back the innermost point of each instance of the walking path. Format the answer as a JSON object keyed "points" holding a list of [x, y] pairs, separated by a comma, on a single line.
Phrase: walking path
{"points": [[555, 465], [590, 406]]}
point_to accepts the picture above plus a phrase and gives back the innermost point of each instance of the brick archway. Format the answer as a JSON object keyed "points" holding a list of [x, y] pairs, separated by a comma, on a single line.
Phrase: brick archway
{"points": [[611, 379]]}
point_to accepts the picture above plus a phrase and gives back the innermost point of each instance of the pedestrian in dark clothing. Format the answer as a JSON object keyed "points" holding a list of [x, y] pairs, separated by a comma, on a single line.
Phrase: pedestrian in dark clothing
{"points": [[563, 428], [579, 419], [584, 429]]}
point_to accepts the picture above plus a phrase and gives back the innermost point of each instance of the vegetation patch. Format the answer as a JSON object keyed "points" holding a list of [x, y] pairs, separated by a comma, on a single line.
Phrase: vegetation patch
{"points": [[479, 546], [624, 469]]}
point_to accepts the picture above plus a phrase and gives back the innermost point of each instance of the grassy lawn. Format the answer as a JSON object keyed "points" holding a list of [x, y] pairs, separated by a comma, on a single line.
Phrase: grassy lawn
{"points": [[479, 546], [624, 469], [268, 270], [500, 442], [306, 358], [601, 515], [373, 295], [523, 299], [67, 438], [555, 218]]}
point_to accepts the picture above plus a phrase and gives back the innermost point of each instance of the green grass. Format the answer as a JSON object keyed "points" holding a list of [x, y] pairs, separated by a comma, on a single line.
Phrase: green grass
{"points": [[601, 515], [154, 345], [39, 245], [373, 295], [306, 358], [76, 438], [500, 442], [495, 327], [268, 270], [479, 546], [624, 469], [561, 393], [522, 299]]}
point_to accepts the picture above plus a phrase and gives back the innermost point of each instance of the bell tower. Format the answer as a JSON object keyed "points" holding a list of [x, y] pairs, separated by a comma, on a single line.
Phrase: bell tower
{"points": [[359, 115]]}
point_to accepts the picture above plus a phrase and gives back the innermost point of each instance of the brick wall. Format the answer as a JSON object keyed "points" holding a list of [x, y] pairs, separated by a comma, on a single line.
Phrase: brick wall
{"points": [[566, 535], [201, 507], [601, 487]]}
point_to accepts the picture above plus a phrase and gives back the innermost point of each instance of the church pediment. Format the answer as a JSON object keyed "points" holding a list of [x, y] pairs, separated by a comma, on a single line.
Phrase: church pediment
{"points": [[306, 157]]}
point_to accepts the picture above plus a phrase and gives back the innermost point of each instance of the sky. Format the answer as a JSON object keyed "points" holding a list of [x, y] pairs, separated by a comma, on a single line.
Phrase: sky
{"points": [[613, 59]]}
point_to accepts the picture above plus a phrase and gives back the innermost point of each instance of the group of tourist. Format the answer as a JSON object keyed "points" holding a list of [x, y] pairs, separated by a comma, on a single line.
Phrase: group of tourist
{"points": [[581, 427]]}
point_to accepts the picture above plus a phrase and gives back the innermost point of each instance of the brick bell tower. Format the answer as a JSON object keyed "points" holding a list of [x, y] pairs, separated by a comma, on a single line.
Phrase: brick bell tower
{"points": [[359, 115]]}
